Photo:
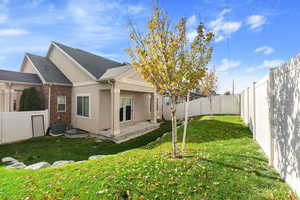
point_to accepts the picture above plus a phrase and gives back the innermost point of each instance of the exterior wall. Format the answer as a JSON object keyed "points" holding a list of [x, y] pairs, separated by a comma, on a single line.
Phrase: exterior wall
{"points": [[27, 67], [141, 105], [105, 109], [68, 67], [55, 92], [93, 122]]}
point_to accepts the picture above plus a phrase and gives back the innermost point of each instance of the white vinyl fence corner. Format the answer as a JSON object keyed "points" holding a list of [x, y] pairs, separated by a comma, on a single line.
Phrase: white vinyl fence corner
{"points": [[16, 126], [219, 105], [271, 109]]}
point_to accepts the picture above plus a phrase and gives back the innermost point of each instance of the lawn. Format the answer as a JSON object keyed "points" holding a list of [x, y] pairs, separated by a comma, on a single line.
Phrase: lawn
{"points": [[51, 149], [221, 162]]}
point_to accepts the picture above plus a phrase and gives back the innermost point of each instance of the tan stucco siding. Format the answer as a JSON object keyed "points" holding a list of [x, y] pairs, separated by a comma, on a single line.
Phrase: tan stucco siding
{"points": [[70, 69], [134, 87], [91, 123], [27, 67], [105, 109]]}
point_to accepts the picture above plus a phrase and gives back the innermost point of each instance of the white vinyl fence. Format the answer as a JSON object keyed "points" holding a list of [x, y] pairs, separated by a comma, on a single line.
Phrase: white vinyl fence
{"points": [[16, 126], [219, 105], [271, 109]]}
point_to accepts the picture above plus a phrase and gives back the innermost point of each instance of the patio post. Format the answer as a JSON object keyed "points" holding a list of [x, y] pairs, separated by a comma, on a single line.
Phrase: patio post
{"points": [[154, 114], [115, 108]]}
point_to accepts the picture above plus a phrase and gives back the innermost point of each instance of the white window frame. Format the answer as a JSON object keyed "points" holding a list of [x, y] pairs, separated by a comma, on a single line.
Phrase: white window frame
{"points": [[132, 107], [90, 108], [61, 103]]}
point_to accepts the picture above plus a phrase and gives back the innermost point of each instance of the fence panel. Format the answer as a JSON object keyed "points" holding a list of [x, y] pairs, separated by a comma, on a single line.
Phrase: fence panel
{"points": [[219, 105], [276, 107], [262, 125], [17, 126]]}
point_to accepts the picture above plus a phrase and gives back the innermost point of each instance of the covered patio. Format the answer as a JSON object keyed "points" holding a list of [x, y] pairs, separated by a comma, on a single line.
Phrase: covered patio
{"points": [[131, 131], [132, 105]]}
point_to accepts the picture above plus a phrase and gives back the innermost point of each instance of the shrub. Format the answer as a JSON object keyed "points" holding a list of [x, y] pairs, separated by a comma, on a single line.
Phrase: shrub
{"points": [[30, 100]]}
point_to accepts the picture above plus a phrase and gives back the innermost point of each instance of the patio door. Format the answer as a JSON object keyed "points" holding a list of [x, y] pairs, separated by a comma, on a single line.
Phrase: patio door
{"points": [[126, 109]]}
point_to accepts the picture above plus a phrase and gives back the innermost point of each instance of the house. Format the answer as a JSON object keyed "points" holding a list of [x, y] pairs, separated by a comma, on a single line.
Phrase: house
{"points": [[89, 92]]}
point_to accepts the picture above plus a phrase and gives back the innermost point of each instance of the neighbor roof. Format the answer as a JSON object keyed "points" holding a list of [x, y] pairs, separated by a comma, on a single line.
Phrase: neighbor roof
{"points": [[19, 77], [94, 64], [48, 70]]}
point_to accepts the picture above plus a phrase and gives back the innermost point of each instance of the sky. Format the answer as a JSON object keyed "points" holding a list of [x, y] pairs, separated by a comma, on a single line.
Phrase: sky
{"points": [[251, 36]]}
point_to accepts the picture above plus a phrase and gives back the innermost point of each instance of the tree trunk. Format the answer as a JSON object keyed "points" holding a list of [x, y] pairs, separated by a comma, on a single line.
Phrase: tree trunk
{"points": [[185, 121], [174, 128]]}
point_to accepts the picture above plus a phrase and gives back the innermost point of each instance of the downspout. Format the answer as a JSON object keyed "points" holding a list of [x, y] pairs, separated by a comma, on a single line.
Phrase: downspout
{"points": [[9, 97], [49, 103], [112, 105]]}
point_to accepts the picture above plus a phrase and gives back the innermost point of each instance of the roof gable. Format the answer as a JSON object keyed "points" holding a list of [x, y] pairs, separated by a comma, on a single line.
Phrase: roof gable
{"points": [[49, 72], [93, 64]]}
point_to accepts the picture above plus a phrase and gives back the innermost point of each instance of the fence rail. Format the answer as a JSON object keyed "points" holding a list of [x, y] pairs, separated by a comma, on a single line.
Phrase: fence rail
{"points": [[271, 109]]}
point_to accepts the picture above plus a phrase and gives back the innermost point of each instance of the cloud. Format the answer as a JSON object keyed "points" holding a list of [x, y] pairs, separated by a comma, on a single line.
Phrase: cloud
{"points": [[256, 22], [266, 64], [224, 29], [36, 2], [192, 21], [265, 49], [227, 64], [191, 35], [12, 32], [135, 9]]}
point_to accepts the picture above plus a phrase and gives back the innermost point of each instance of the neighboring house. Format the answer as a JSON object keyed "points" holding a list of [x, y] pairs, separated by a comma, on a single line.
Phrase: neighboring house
{"points": [[90, 92]]}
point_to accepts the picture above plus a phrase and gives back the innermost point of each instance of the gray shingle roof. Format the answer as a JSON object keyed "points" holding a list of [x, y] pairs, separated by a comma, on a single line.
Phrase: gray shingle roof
{"points": [[48, 70], [94, 64], [19, 77]]}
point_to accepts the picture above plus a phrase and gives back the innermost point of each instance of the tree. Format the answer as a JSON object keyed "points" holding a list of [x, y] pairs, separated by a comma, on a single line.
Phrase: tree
{"points": [[30, 100], [167, 61], [209, 85]]}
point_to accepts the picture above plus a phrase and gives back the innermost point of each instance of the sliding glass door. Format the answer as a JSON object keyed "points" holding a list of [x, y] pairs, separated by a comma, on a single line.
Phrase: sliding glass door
{"points": [[126, 109]]}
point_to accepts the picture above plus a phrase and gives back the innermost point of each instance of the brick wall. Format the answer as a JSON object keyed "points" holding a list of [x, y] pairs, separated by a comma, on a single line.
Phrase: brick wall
{"points": [[55, 92]]}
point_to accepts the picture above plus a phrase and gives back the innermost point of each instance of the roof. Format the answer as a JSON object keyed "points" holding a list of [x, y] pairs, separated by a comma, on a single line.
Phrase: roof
{"points": [[19, 77], [94, 64], [48, 70], [114, 72]]}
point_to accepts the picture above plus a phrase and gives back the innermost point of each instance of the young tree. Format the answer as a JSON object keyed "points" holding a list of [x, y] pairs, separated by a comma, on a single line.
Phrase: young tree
{"points": [[209, 85], [168, 62]]}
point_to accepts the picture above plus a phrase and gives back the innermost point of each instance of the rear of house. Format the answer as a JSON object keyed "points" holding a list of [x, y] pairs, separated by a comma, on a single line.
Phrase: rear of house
{"points": [[89, 92]]}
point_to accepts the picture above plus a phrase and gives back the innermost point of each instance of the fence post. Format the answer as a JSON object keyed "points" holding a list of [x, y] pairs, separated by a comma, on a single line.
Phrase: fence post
{"points": [[248, 109], [270, 92], [254, 113]]}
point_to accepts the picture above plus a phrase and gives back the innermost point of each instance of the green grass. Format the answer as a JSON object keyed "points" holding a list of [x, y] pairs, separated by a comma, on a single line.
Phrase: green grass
{"points": [[221, 162]]}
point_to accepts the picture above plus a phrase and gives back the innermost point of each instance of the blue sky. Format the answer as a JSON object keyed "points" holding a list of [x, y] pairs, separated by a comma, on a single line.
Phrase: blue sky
{"points": [[251, 35]]}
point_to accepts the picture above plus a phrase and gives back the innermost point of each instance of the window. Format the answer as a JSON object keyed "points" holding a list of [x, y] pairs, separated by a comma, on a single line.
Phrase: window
{"points": [[61, 104], [83, 106]]}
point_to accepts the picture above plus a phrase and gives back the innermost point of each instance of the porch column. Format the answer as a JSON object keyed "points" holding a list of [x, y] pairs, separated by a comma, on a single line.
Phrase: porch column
{"points": [[115, 109], [6, 100], [154, 106]]}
